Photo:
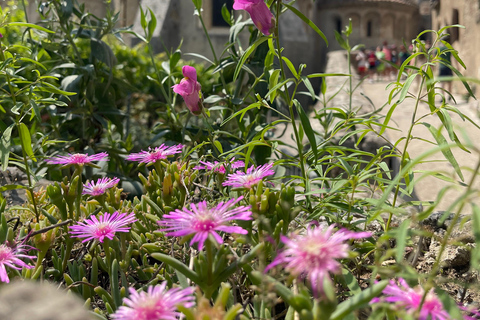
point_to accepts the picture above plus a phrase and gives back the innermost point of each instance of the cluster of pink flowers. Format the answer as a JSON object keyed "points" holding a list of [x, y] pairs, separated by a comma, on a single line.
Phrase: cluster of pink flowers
{"points": [[409, 299], [157, 303], [106, 227], [78, 159], [99, 188], [201, 221], [249, 179], [220, 167], [154, 155], [10, 256], [314, 255]]}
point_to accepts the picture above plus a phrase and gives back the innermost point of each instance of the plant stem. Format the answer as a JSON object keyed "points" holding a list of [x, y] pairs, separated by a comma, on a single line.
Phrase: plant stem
{"points": [[208, 249], [402, 161], [290, 105]]}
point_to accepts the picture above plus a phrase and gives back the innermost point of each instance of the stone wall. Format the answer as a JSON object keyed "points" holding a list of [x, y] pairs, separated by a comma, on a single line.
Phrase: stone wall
{"points": [[466, 41]]}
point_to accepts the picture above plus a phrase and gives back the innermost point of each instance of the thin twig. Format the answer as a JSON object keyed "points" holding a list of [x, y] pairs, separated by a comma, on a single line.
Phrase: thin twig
{"points": [[77, 283], [34, 233]]}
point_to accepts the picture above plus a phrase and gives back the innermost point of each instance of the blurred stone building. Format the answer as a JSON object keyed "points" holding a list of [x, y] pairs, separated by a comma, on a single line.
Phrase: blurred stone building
{"points": [[374, 21], [466, 41]]}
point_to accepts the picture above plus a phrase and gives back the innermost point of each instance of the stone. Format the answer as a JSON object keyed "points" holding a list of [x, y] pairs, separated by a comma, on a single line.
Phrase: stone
{"points": [[13, 175], [27, 300]]}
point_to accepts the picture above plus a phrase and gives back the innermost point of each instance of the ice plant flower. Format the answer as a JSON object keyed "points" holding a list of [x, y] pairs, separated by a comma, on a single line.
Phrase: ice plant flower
{"points": [[261, 16], [10, 257], [202, 221], [313, 255], [99, 188], [159, 153], [220, 167], [409, 299], [189, 88], [251, 178], [155, 304], [78, 159], [106, 227]]}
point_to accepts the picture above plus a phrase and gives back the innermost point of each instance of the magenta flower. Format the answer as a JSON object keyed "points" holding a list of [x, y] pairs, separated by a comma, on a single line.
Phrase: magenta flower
{"points": [[106, 227], [78, 159], [10, 257], [251, 178], [189, 88], [99, 188], [201, 221], [261, 16], [409, 299], [155, 304], [159, 153], [313, 255], [220, 167]]}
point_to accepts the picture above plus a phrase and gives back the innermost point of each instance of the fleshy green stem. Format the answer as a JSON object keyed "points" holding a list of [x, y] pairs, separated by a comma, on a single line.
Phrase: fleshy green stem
{"points": [[290, 105]]}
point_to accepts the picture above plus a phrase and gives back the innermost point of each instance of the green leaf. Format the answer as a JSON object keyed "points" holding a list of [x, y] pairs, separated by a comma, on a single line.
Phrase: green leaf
{"points": [[177, 266], [358, 300], [446, 151], [401, 238], [5, 146], [12, 187], [29, 25], [143, 20], [307, 127], [247, 54], [242, 112], [152, 24], [272, 83], [340, 40], [226, 14], [405, 87], [351, 281], [218, 145], [26, 140], [174, 58], [290, 67], [307, 21], [309, 86]]}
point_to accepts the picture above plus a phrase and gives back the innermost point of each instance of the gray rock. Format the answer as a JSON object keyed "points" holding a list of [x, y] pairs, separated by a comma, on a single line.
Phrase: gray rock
{"points": [[14, 175], [39, 301]]}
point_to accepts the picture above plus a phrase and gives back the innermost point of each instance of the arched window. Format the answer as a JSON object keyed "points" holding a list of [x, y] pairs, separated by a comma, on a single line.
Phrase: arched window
{"points": [[369, 28], [217, 18], [338, 24]]}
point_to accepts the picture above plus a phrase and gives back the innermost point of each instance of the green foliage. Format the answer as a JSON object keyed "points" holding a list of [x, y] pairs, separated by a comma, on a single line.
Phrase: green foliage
{"points": [[70, 84]]}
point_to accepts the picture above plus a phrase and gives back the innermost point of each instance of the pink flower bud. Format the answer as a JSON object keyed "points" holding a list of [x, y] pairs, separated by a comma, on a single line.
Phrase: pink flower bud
{"points": [[261, 16], [189, 88]]}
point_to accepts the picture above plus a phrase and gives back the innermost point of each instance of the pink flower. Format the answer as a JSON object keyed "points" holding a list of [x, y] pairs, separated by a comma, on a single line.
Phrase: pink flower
{"points": [[410, 299], [155, 304], [313, 255], [10, 257], [202, 221], [220, 167], [106, 227], [189, 88], [78, 159], [156, 154], [261, 16], [251, 178], [99, 188]]}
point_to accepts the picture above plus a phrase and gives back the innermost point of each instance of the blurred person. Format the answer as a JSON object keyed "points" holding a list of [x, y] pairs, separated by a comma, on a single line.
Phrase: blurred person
{"points": [[372, 64], [362, 63], [380, 64]]}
